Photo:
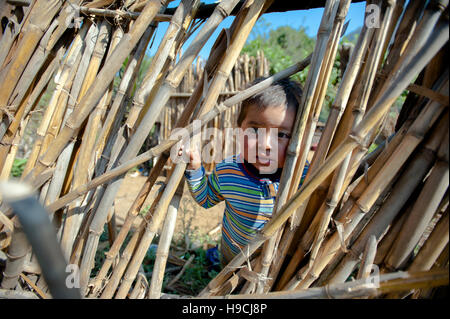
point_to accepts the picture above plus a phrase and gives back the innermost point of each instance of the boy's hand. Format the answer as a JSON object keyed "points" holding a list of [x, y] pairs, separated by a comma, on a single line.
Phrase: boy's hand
{"points": [[194, 158]]}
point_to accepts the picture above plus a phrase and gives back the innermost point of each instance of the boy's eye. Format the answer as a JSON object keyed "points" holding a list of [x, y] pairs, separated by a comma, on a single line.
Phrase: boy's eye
{"points": [[283, 135], [254, 129]]}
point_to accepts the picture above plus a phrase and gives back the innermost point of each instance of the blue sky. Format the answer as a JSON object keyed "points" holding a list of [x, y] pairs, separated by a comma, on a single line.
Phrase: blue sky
{"points": [[309, 19]]}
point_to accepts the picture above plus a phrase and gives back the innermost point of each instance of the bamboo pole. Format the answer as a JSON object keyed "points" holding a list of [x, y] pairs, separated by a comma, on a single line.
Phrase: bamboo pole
{"points": [[133, 147], [120, 14], [310, 103], [117, 109], [336, 111], [433, 247], [7, 164], [81, 169], [428, 253], [60, 79], [422, 212], [369, 195], [10, 32], [248, 20], [337, 183], [29, 100], [63, 161], [367, 258], [388, 239], [47, 44], [96, 91], [33, 30], [421, 56], [441, 262], [162, 252], [402, 191], [392, 282], [406, 28], [17, 251], [60, 107]]}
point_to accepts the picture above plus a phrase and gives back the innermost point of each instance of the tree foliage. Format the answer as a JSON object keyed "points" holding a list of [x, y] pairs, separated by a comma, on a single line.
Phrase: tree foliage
{"points": [[285, 46]]}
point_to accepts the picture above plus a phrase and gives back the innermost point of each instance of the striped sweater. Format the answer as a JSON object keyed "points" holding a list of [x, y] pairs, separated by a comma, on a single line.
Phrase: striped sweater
{"points": [[249, 200]]}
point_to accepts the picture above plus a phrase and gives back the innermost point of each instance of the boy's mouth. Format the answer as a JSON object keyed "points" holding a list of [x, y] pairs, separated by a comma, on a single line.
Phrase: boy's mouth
{"points": [[263, 160]]}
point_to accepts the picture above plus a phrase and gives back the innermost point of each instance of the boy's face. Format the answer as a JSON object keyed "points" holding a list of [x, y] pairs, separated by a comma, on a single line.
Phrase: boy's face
{"points": [[267, 152]]}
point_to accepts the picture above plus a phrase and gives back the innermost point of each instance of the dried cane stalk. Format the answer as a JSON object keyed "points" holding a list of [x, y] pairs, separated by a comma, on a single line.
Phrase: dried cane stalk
{"points": [[402, 191], [396, 85], [33, 30], [337, 184], [310, 104], [422, 212], [336, 111], [217, 83], [92, 96], [60, 79], [130, 151], [391, 282]]}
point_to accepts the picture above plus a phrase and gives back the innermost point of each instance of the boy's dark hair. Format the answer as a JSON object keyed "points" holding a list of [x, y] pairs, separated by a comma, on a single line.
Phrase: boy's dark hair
{"points": [[283, 92]]}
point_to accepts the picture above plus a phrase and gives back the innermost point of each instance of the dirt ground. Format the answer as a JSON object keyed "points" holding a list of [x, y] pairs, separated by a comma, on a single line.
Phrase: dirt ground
{"points": [[193, 221]]}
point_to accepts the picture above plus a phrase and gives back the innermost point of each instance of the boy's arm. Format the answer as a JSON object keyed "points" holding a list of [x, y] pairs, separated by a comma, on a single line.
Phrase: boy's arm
{"points": [[205, 190], [305, 171]]}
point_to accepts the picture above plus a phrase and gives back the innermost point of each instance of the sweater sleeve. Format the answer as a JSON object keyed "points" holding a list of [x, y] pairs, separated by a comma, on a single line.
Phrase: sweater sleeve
{"points": [[205, 190], [305, 172]]}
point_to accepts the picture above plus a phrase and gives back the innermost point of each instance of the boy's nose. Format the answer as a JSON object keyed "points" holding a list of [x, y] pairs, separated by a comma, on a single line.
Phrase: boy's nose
{"points": [[269, 139]]}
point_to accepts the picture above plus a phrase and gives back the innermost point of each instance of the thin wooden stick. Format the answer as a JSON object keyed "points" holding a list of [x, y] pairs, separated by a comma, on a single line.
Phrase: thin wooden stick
{"points": [[162, 95], [398, 82], [338, 180], [422, 212], [90, 99], [404, 187], [165, 145], [433, 247], [336, 111], [38, 290], [311, 102], [367, 259], [391, 282], [121, 14], [218, 81], [40, 18], [178, 276]]}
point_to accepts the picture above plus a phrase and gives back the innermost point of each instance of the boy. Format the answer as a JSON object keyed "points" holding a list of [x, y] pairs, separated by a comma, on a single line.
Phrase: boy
{"points": [[248, 182]]}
